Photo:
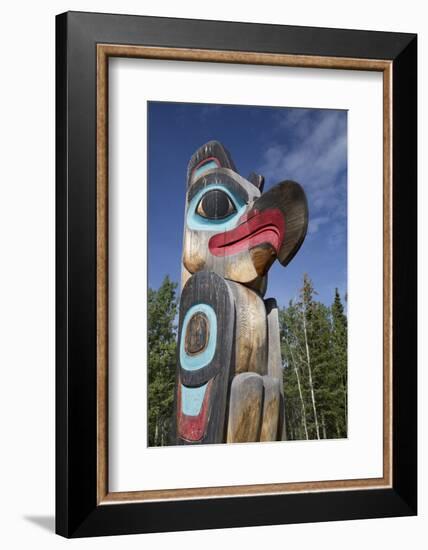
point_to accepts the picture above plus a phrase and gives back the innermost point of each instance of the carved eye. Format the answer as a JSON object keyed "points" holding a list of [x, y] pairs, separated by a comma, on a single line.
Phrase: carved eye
{"points": [[215, 205]]}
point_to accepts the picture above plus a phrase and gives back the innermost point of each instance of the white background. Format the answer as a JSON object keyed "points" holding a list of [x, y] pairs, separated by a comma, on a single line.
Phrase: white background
{"points": [[133, 466], [27, 274]]}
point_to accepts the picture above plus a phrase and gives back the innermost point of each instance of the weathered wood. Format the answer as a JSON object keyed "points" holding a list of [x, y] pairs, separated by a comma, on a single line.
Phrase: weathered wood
{"points": [[204, 377], [281, 214], [211, 150], [245, 408], [274, 342], [257, 180], [185, 276], [197, 334], [196, 250], [289, 197], [251, 330], [275, 360], [229, 346], [271, 405], [262, 257], [209, 289]]}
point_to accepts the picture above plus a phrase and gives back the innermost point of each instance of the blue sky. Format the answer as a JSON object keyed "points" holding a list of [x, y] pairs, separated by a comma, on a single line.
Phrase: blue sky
{"points": [[306, 145]]}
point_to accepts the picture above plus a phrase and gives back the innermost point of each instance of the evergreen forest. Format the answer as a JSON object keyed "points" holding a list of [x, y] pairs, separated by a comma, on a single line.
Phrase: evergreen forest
{"points": [[314, 355]]}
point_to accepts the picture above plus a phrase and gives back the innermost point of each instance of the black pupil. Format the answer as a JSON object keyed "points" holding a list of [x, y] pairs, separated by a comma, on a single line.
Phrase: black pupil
{"points": [[216, 204]]}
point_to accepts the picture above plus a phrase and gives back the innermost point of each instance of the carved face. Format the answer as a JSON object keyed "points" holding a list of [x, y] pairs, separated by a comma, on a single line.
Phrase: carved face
{"points": [[231, 227]]}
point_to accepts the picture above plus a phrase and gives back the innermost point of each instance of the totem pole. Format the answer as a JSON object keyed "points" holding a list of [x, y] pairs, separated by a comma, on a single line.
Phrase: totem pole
{"points": [[229, 373]]}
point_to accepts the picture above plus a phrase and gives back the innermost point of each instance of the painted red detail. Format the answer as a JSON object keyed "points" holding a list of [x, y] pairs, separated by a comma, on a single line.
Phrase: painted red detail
{"points": [[208, 159], [265, 227], [193, 428]]}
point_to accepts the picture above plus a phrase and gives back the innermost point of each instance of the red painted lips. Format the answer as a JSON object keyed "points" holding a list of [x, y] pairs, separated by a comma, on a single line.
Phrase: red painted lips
{"points": [[193, 428], [265, 227]]}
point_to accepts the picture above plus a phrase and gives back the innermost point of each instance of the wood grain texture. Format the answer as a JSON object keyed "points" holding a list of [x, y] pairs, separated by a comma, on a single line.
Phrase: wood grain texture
{"points": [[211, 150], [197, 334], [245, 408], [251, 330], [275, 361], [185, 275], [196, 253], [242, 57], [290, 198], [262, 257], [246, 490], [387, 275], [210, 289], [271, 404], [102, 276], [274, 343]]}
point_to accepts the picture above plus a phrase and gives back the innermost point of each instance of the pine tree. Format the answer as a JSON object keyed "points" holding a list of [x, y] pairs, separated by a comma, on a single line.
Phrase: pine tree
{"points": [[162, 310], [295, 407], [340, 356], [307, 310], [314, 349]]}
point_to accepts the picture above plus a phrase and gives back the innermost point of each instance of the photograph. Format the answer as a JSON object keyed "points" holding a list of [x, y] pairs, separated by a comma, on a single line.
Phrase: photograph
{"points": [[247, 273], [212, 286], [235, 280]]}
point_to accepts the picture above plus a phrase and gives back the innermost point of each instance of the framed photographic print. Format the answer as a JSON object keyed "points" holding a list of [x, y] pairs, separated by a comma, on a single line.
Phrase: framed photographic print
{"points": [[236, 274]]}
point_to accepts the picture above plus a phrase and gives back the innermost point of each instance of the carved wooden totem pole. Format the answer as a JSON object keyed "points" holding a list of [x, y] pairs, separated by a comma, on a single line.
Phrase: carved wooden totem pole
{"points": [[229, 373]]}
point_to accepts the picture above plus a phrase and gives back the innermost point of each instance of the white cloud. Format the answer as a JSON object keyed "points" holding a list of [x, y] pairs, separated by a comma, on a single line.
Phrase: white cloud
{"points": [[315, 223], [312, 150]]}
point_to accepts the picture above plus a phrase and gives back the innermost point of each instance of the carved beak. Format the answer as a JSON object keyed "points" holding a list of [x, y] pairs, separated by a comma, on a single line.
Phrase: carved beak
{"points": [[259, 232], [274, 227]]}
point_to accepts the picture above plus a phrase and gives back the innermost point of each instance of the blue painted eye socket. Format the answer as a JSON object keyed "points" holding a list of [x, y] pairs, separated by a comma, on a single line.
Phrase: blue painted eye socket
{"points": [[215, 204], [209, 212]]}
